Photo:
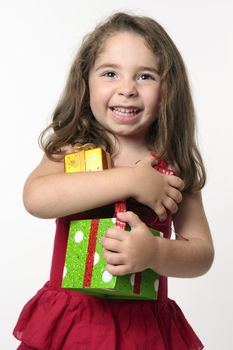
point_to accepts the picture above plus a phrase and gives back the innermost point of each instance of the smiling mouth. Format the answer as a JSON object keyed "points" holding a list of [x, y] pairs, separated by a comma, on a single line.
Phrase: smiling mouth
{"points": [[126, 111]]}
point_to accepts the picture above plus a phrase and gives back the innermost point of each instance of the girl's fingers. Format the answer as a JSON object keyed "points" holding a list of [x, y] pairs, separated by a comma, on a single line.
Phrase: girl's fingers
{"points": [[113, 258], [176, 182], [115, 233], [117, 270], [170, 204], [131, 218], [111, 244], [150, 159], [161, 212], [175, 194]]}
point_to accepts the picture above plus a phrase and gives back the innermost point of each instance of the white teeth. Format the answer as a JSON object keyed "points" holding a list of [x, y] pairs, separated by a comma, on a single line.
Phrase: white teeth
{"points": [[125, 110]]}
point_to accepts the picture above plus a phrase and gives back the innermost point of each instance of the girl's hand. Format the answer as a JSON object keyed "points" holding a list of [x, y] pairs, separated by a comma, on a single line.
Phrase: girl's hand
{"points": [[158, 191], [129, 251]]}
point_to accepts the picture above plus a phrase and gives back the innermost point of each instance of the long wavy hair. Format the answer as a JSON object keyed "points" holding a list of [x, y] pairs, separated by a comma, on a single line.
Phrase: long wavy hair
{"points": [[172, 134]]}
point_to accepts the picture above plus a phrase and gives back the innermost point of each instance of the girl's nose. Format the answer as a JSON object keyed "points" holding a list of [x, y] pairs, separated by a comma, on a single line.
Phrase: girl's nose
{"points": [[127, 88]]}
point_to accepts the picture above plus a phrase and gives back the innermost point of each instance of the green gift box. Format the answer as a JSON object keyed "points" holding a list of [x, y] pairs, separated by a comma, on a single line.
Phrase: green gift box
{"points": [[85, 267]]}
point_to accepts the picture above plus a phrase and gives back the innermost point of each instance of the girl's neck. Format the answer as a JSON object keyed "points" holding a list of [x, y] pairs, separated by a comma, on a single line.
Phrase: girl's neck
{"points": [[129, 151]]}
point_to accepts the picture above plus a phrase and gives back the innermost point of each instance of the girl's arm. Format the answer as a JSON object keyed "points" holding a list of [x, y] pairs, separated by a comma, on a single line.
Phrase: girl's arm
{"points": [[193, 256], [49, 192], [138, 250]]}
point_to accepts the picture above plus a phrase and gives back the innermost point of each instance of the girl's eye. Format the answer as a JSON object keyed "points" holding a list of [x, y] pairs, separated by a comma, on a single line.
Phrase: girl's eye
{"points": [[109, 74], [146, 77]]}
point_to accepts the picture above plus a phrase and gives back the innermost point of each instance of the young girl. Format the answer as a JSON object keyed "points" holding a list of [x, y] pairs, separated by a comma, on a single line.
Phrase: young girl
{"points": [[127, 92]]}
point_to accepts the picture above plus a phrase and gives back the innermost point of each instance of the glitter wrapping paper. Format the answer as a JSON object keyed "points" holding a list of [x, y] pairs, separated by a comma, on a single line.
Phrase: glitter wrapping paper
{"points": [[85, 266], [87, 159]]}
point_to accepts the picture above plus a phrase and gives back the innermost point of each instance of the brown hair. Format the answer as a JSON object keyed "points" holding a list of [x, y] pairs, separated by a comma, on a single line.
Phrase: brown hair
{"points": [[172, 134]]}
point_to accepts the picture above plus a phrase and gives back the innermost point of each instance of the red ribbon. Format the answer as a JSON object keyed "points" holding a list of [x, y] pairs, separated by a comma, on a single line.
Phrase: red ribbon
{"points": [[120, 207], [162, 167], [90, 253], [137, 283]]}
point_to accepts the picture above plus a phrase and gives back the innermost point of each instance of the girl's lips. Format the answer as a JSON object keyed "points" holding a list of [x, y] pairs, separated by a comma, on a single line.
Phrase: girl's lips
{"points": [[126, 115]]}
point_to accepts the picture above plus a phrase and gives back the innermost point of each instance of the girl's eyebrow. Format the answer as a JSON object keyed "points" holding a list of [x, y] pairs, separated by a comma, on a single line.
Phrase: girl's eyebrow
{"points": [[150, 69], [116, 66], [107, 65]]}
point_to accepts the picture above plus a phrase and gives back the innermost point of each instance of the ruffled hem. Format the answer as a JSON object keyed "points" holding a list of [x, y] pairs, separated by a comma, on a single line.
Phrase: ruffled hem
{"points": [[66, 320]]}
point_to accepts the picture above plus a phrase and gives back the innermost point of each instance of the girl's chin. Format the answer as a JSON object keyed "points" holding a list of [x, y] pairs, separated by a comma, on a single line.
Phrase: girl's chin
{"points": [[121, 131]]}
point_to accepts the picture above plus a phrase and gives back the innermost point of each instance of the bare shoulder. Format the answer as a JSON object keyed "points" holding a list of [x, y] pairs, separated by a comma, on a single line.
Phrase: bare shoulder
{"points": [[190, 221]]}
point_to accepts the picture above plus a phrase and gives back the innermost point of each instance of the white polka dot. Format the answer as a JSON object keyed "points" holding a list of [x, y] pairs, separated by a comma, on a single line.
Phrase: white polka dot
{"points": [[64, 271], [107, 276], [132, 279], [114, 220], [78, 236], [161, 234], [156, 285], [96, 258]]}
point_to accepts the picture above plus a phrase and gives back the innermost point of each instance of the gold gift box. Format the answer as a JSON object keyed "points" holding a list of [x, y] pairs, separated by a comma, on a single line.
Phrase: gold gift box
{"points": [[87, 159]]}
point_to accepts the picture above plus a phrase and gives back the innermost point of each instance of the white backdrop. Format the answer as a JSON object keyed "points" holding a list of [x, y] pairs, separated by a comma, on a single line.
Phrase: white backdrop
{"points": [[38, 40]]}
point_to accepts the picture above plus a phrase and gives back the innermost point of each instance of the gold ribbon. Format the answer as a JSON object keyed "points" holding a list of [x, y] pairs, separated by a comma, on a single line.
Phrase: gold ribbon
{"points": [[77, 147]]}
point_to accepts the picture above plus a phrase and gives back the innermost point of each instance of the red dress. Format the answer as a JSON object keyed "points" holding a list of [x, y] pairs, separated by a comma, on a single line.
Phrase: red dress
{"points": [[61, 319]]}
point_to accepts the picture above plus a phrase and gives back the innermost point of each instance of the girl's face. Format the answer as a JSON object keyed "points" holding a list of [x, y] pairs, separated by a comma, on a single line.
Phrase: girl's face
{"points": [[125, 86]]}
